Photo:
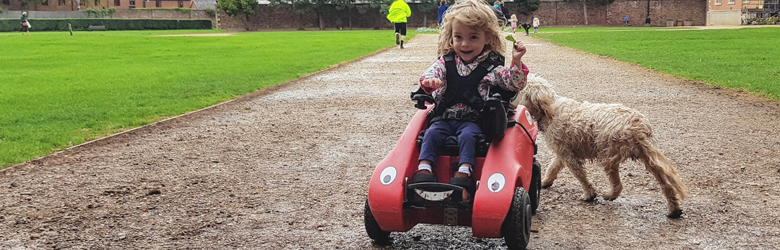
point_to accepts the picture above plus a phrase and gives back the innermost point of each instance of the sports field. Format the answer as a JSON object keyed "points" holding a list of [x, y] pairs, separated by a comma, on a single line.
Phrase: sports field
{"points": [[58, 90], [747, 58]]}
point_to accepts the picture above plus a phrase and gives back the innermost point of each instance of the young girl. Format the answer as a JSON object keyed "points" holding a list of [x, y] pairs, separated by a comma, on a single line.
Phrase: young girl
{"points": [[471, 46], [513, 20], [25, 23]]}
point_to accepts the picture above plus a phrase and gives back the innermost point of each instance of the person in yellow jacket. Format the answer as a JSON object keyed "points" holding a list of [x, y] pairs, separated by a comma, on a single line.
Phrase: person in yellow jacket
{"points": [[397, 15]]}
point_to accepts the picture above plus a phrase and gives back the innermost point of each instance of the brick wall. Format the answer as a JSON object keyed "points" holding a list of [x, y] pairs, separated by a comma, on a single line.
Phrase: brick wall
{"points": [[160, 14], [550, 13], [72, 5], [558, 13], [267, 18], [119, 14]]}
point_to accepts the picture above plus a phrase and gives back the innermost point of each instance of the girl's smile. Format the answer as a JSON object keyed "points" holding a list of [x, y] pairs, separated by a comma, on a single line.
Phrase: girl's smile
{"points": [[467, 42]]}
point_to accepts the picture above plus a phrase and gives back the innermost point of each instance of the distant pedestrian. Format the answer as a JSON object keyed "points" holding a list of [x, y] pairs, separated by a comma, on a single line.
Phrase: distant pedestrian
{"points": [[442, 10], [526, 26], [504, 11], [499, 15], [536, 25], [25, 23], [397, 15], [513, 21], [625, 19]]}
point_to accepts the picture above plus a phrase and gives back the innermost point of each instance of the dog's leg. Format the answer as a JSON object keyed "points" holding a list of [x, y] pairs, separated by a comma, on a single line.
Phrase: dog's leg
{"points": [[552, 172], [613, 173], [576, 167]]}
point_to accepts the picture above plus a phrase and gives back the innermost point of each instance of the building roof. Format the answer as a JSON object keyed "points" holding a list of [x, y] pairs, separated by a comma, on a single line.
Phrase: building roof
{"points": [[202, 4]]}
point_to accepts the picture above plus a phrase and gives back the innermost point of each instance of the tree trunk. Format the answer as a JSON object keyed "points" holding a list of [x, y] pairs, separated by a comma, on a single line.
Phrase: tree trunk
{"points": [[322, 22], [377, 26], [350, 18], [425, 21], [246, 22], [585, 11], [300, 21], [268, 19]]}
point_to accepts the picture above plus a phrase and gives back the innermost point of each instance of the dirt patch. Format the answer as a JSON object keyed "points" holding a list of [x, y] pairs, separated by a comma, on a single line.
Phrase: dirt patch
{"points": [[289, 168]]}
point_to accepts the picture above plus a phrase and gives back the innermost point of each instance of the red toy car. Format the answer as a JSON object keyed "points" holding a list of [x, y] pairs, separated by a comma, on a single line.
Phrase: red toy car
{"points": [[507, 178]]}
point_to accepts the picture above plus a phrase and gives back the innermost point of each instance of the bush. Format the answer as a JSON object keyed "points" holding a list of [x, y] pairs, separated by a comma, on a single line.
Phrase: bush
{"points": [[2, 10], [210, 11], [100, 12], [111, 24]]}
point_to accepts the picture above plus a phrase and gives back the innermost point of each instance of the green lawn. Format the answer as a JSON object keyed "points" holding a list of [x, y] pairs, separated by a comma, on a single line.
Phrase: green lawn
{"points": [[56, 88], [737, 58]]}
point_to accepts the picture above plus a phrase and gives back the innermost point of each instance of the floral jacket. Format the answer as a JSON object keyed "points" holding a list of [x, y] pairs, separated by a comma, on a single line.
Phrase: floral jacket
{"points": [[512, 79]]}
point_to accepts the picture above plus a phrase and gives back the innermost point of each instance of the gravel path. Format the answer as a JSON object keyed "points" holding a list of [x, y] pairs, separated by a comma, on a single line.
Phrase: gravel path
{"points": [[288, 168]]}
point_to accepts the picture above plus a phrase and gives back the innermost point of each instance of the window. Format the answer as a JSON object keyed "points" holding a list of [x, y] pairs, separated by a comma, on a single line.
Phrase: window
{"points": [[117, 3], [158, 3], [731, 1], [83, 3], [6, 2], [745, 1], [132, 3], [61, 2], [97, 3], [181, 4], [45, 3], [717, 2]]}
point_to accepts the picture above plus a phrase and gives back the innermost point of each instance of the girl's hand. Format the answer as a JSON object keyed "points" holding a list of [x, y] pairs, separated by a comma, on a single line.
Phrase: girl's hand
{"points": [[518, 52], [431, 83]]}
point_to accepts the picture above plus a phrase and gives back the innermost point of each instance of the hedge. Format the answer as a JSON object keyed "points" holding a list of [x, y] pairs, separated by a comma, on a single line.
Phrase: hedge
{"points": [[111, 24]]}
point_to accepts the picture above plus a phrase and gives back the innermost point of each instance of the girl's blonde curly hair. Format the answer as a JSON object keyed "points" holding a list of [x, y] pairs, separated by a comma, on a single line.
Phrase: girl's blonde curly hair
{"points": [[476, 14]]}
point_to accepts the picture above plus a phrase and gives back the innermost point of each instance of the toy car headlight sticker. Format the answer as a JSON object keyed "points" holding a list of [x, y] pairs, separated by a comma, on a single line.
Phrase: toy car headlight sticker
{"points": [[388, 175], [528, 116], [496, 182]]}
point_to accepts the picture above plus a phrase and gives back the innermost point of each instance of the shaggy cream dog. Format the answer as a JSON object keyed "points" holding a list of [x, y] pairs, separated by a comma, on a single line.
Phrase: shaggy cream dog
{"points": [[607, 134]]}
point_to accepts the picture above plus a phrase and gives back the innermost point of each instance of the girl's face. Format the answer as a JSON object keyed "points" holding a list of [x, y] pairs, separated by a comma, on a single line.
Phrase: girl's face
{"points": [[467, 42]]}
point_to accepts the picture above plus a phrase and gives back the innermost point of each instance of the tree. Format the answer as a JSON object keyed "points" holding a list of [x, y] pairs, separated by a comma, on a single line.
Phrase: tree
{"points": [[239, 9], [427, 6], [299, 7], [526, 7], [384, 8], [585, 5], [348, 5]]}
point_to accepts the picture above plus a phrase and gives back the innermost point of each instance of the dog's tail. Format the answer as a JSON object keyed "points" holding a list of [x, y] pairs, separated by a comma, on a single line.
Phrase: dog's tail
{"points": [[663, 170]]}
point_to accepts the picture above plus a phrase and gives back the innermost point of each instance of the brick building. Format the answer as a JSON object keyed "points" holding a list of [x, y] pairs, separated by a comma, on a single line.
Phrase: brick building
{"points": [[75, 5], [733, 12]]}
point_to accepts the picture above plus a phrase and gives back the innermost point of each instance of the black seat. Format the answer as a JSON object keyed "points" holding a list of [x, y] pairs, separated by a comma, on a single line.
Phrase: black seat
{"points": [[499, 109]]}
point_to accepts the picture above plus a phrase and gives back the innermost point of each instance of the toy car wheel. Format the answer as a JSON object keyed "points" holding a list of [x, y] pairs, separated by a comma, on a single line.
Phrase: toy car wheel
{"points": [[535, 192], [517, 225], [372, 227]]}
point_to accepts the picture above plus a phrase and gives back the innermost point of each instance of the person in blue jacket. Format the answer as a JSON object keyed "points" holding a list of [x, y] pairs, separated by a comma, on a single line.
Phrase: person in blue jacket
{"points": [[442, 10]]}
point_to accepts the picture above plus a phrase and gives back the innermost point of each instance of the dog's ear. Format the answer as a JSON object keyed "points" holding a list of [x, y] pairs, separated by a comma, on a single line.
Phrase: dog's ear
{"points": [[538, 98]]}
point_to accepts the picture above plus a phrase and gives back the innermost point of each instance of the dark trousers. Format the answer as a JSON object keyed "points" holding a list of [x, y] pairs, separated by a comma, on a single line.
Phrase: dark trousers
{"points": [[439, 131]]}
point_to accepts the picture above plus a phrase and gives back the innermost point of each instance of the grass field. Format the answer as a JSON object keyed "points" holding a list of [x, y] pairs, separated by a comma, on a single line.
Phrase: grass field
{"points": [[746, 58], [56, 88]]}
